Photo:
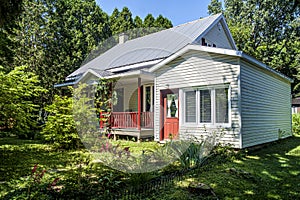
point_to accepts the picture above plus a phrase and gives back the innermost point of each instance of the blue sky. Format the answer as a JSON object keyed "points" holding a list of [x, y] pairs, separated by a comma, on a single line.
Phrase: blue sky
{"points": [[178, 11]]}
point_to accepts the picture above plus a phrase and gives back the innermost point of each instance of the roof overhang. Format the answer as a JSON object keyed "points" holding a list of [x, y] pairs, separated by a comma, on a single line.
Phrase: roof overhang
{"points": [[76, 81], [228, 52]]}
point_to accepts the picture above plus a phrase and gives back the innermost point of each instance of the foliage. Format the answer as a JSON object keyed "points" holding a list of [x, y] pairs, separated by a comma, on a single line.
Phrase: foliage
{"points": [[60, 128], [9, 10], [18, 111], [215, 7], [72, 120], [267, 30], [53, 38], [296, 123]]}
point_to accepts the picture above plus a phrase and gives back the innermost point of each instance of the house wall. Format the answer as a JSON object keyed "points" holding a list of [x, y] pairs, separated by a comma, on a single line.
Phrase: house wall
{"points": [[130, 96], [265, 105], [218, 37], [200, 69]]}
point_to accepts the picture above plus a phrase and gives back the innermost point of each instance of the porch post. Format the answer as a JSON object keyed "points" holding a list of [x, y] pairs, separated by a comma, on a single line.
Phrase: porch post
{"points": [[139, 105]]}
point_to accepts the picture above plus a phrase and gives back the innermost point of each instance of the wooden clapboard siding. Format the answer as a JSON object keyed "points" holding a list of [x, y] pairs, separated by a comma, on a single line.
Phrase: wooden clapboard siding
{"points": [[265, 105], [218, 37], [197, 68]]}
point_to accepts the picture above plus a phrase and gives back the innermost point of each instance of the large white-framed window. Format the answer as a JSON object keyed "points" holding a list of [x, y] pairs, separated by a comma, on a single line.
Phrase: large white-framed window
{"points": [[209, 106]]}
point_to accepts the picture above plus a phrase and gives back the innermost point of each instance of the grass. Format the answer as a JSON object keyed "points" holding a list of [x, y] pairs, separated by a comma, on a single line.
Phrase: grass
{"points": [[269, 173], [272, 172]]}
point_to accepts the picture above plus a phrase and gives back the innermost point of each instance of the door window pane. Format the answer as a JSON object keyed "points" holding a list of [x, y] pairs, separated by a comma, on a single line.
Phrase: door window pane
{"points": [[172, 101], [222, 105], [190, 106], [205, 106]]}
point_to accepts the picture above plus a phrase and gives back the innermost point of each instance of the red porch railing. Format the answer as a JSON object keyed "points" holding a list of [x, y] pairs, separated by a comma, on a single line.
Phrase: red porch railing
{"points": [[128, 120]]}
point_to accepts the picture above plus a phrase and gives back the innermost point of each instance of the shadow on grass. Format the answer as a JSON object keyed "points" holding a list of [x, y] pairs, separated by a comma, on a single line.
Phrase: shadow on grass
{"points": [[19, 156], [272, 172]]}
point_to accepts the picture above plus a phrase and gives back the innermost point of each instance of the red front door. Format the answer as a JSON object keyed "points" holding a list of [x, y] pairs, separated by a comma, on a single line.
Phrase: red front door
{"points": [[171, 116]]}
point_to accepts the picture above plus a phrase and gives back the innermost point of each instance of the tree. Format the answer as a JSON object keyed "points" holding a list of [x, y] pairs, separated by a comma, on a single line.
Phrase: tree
{"points": [[162, 22], [54, 37], [149, 21], [215, 7], [266, 30], [138, 22], [9, 9], [74, 29], [18, 112]]}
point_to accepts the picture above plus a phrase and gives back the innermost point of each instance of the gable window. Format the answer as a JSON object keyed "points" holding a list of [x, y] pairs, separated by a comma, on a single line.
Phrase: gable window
{"points": [[207, 106]]}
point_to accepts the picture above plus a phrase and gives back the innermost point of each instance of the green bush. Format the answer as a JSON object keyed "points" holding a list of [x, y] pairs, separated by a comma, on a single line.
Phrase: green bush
{"points": [[60, 128], [296, 123], [18, 111]]}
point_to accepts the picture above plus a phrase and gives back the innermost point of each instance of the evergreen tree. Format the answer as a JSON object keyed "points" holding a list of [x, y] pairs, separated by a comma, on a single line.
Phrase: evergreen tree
{"points": [[162, 22], [138, 22], [149, 21]]}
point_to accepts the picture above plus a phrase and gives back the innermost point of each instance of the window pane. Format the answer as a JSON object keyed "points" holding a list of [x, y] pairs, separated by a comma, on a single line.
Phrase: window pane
{"points": [[205, 106], [148, 99], [222, 105], [119, 106], [190, 106]]}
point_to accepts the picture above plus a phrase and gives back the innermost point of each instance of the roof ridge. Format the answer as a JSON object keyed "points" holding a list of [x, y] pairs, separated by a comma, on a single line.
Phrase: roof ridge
{"points": [[196, 20]]}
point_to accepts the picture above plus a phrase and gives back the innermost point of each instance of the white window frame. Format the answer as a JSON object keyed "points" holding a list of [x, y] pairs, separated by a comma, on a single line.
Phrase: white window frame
{"points": [[213, 123]]}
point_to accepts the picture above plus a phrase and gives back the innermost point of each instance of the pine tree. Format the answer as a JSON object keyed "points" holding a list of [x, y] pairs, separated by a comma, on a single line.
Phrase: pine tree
{"points": [[138, 22], [149, 21], [162, 22]]}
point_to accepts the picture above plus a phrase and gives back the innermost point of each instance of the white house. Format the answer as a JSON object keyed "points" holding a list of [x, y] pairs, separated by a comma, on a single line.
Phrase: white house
{"points": [[191, 78]]}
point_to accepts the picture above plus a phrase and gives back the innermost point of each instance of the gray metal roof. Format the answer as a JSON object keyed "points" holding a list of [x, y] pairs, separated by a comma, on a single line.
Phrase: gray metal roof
{"points": [[150, 47]]}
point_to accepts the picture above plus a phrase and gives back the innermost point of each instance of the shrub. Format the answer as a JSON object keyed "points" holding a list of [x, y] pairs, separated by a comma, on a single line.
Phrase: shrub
{"points": [[296, 123], [60, 128]]}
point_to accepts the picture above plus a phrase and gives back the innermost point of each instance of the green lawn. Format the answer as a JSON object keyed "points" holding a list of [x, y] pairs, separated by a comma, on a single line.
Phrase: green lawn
{"points": [[272, 172]]}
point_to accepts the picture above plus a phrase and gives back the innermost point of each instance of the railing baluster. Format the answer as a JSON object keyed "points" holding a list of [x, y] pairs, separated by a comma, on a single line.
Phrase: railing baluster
{"points": [[129, 119]]}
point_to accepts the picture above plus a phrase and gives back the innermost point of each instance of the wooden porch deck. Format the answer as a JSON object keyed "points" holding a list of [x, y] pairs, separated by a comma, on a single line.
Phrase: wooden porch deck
{"points": [[139, 134], [128, 124]]}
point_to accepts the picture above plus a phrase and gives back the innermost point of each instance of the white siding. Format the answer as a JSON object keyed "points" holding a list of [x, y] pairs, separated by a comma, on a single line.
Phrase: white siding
{"points": [[218, 37], [265, 105], [200, 69]]}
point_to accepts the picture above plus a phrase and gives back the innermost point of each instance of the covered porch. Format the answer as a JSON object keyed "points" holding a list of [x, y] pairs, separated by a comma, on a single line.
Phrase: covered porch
{"points": [[133, 113]]}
